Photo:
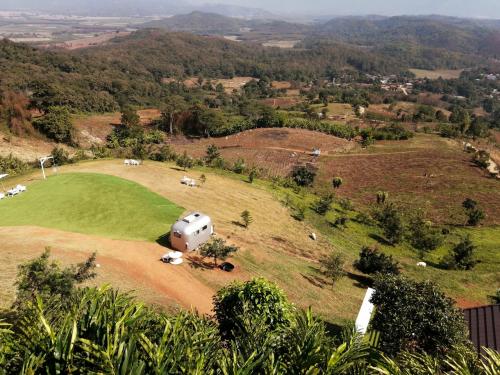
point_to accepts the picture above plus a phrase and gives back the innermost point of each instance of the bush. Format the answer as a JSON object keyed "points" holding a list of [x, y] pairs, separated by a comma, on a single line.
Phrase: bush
{"points": [[239, 166], [461, 257], [12, 165], [423, 236], [56, 124], [333, 266], [60, 155], [303, 176], [257, 297], [184, 161], [474, 214], [391, 222], [372, 261], [323, 204]]}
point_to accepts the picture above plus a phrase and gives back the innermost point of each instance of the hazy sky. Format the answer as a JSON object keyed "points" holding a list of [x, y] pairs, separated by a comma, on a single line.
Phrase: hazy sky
{"points": [[469, 8]]}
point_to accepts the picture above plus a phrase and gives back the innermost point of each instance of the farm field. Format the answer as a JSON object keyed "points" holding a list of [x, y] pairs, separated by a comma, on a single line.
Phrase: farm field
{"points": [[428, 171], [274, 246]]}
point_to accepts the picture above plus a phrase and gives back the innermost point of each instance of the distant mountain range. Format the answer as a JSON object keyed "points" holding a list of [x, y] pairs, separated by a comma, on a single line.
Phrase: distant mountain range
{"points": [[128, 8]]}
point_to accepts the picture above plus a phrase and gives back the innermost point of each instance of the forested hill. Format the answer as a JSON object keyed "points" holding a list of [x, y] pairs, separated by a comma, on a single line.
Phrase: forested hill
{"points": [[443, 33], [132, 68]]}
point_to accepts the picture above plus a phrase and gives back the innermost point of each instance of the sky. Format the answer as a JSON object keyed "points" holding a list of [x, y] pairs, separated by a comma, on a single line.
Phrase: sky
{"points": [[461, 8]]}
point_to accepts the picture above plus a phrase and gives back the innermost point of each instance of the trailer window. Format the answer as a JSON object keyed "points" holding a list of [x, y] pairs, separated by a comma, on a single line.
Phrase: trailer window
{"points": [[177, 234], [205, 227]]}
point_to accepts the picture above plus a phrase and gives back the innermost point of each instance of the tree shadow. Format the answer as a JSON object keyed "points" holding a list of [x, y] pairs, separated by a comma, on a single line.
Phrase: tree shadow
{"points": [[237, 223], [164, 241], [199, 262], [381, 240], [361, 281], [315, 280], [178, 169], [333, 330]]}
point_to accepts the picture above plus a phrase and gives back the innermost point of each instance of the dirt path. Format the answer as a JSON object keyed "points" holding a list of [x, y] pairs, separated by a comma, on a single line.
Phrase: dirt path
{"points": [[134, 264]]}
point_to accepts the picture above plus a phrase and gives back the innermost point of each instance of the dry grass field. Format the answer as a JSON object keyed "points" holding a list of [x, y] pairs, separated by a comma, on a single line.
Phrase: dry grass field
{"points": [[94, 129], [435, 74]]}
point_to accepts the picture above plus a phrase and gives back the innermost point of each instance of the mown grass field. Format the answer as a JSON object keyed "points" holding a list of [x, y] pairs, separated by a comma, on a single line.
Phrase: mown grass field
{"points": [[90, 203]]}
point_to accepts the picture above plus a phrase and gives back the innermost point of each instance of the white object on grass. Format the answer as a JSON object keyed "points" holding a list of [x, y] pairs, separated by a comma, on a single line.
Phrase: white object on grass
{"points": [[365, 312], [421, 264], [177, 261]]}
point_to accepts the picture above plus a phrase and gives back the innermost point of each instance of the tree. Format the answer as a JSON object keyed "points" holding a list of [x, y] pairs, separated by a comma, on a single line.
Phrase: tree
{"points": [[336, 182], [252, 175], [303, 176], [217, 249], [60, 156], [423, 236], [415, 316], [173, 106], [323, 204], [212, 153], [185, 161], [391, 222], [256, 298], [372, 261], [382, 197], [239, 166], [56, 124], [473, 212], [246, 218], [40, 277], [130, 118], [495, 298], [461, 257], [333, 266]]}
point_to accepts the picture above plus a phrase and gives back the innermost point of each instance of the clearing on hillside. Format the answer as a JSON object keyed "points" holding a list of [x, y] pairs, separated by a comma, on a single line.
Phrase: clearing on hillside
{"points": [[435, 74], [92, 203]]}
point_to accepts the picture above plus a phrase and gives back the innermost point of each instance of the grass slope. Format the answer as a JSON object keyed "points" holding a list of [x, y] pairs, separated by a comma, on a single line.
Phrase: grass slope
{"points": [[92, 204]]}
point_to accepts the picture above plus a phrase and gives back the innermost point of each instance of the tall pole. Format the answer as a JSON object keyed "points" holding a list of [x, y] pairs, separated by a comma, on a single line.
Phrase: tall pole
{"points": [[43, 170]]}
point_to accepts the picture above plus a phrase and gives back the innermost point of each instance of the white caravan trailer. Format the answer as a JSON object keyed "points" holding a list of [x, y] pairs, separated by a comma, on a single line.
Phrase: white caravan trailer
{"points": [[191, 232]]}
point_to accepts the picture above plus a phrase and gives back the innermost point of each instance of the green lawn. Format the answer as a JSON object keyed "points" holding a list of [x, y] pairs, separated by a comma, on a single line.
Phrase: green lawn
{"points": [[91, 203]]}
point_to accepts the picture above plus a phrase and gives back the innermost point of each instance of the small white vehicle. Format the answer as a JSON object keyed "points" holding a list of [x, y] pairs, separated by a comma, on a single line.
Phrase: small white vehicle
{"points": [[21, 188], [13, 192], [132, 162]]}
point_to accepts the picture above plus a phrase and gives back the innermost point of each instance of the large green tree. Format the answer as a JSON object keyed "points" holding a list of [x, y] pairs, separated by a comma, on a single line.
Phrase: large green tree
{"points": [[415, 316]]}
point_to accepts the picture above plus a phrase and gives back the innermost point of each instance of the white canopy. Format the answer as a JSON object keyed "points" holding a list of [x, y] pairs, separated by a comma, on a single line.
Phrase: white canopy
{"points": [[175, 255], [177, 261], [365, 312], [3, 175]]}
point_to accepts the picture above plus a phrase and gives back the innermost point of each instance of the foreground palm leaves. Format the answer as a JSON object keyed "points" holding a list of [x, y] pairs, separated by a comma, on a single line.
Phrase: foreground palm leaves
{"points": [[103, 331]]}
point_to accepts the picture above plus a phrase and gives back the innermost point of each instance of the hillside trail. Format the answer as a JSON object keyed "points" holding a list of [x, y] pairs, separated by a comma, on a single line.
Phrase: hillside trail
{"points": [[129, 265]]}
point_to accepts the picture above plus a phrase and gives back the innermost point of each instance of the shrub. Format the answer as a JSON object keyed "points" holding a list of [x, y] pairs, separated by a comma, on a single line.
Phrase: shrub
{"points": [[473, 212], [246, 217], [391, 222], [60, 155], [346, 204], [372, 261], [212, 153], [323, 204], [337, 182], [333, 266], [185, 161], [217, 249], [461, 257], [258, 298], [56, 124], [423, 236], [303, 176], [239, 166], [12, 165]]}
